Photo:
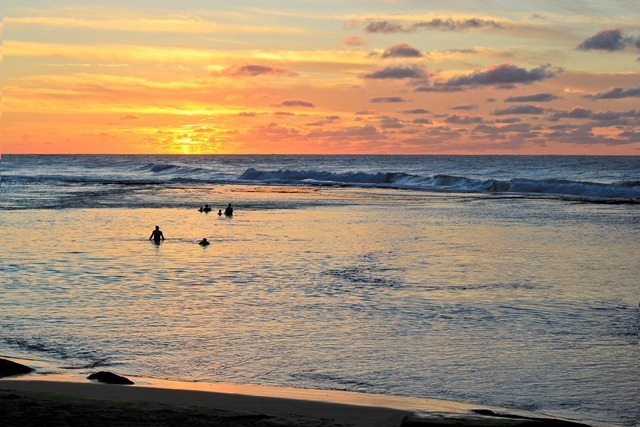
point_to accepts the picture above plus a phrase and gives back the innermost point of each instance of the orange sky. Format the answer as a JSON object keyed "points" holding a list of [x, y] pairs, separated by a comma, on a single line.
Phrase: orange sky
{"points": [[321, 77]]}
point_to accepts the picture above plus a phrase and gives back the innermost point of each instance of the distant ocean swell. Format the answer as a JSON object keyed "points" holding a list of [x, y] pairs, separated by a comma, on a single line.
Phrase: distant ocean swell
{"points": [[167, 173], [447, 183]]}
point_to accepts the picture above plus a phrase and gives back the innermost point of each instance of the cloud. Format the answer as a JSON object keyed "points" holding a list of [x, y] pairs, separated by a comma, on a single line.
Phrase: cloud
{"points": [[391, 123], [630, 135], [319, 123], [247, 114], [438, 88], [617, 117], [441, 24], [258, 70], [323, 121], [296, 103], [449, 24], [384, 27], [276, 130], [517, 128], [539, 97], [130, 117], [583, 135], [422, 121], [616, 93], [604, 119], [519, 109], [462, 119], [502, 74], [408, 72], [388, 99], [353, 41], [355, 133], [509, 120], [465, 107], [402, 50], [609, 39], [574, 113], [415, 111]]}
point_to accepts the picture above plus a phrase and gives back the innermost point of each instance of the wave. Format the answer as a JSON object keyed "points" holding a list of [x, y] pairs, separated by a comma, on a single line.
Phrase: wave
{"points": [[310, 177], [625, 191], [168, 173], [166, 168], [158, 167]]}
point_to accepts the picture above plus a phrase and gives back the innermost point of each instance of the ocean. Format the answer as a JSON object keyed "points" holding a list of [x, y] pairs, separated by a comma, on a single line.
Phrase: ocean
{"points": [[498, 280]]}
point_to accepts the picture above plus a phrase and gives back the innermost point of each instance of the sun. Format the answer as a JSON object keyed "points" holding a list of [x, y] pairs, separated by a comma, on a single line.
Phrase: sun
{"points": [[186, 145]]}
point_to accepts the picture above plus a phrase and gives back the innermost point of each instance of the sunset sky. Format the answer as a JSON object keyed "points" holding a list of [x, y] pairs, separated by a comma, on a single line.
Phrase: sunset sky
{"points": [[325, 76]]}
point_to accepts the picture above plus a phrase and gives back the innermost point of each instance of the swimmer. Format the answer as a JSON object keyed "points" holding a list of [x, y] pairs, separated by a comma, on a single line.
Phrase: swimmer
{"points": [[204, 242], [156, 235]]}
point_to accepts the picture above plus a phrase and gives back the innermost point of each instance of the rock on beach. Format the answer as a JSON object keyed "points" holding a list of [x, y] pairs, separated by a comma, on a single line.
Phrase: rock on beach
{"points": [[10, 369], [109, 378]]}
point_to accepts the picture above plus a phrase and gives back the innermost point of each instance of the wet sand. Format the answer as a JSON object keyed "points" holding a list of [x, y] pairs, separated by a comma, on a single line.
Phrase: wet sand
{"points": [[44, 398]]}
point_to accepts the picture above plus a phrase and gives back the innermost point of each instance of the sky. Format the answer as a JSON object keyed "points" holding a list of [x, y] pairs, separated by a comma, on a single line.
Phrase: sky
{"points": [[322, 77]]}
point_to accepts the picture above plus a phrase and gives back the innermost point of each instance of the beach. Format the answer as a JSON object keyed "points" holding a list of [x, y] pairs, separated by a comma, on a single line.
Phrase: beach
{"points": [[50, 399], [30, 395], [41, 398], [37, 403]]}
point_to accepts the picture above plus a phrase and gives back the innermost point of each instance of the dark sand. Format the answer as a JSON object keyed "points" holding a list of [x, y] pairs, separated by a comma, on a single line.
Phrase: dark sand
{"points": [[46, 399], [48, 403]]}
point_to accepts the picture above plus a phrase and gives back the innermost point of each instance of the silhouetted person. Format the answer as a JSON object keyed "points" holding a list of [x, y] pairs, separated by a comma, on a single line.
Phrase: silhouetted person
{"points": [[219, 212], [204, 242], [207, 208], [228, 211], [156, 235]]}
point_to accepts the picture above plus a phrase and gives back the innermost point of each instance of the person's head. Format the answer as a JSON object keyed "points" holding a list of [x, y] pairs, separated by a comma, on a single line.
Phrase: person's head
{"points": [[157, 227], [204, 239]]}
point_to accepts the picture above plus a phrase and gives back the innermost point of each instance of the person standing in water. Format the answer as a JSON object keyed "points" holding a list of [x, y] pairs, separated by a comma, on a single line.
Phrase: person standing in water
{"points": [[156, 235], [228, 211]]}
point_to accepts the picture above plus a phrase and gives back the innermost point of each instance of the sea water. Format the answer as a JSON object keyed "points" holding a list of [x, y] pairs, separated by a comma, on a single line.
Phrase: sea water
{"points": [[507, 281]]}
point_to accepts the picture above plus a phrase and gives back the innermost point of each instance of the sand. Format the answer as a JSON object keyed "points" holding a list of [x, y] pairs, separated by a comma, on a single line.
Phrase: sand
{"points": [[49, 399], [39, 403]]}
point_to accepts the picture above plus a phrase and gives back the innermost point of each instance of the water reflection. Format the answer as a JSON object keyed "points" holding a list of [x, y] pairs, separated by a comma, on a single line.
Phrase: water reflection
{"points": [[434, 301]]}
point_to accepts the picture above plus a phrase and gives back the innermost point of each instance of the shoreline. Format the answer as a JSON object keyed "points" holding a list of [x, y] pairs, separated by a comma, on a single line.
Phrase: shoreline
{"points": [[152, 402]]}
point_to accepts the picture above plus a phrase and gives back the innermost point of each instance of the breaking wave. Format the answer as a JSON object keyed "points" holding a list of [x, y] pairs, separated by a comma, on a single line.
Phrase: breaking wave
{"points": [[628, 191]]}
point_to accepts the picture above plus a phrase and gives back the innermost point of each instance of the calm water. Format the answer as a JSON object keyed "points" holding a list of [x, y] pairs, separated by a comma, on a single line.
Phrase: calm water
{"points": [[350, 273]]}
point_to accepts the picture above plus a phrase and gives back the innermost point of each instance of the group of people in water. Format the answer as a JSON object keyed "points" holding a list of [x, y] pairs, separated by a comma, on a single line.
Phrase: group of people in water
{"points": [[227, 212], [157, 236]]}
